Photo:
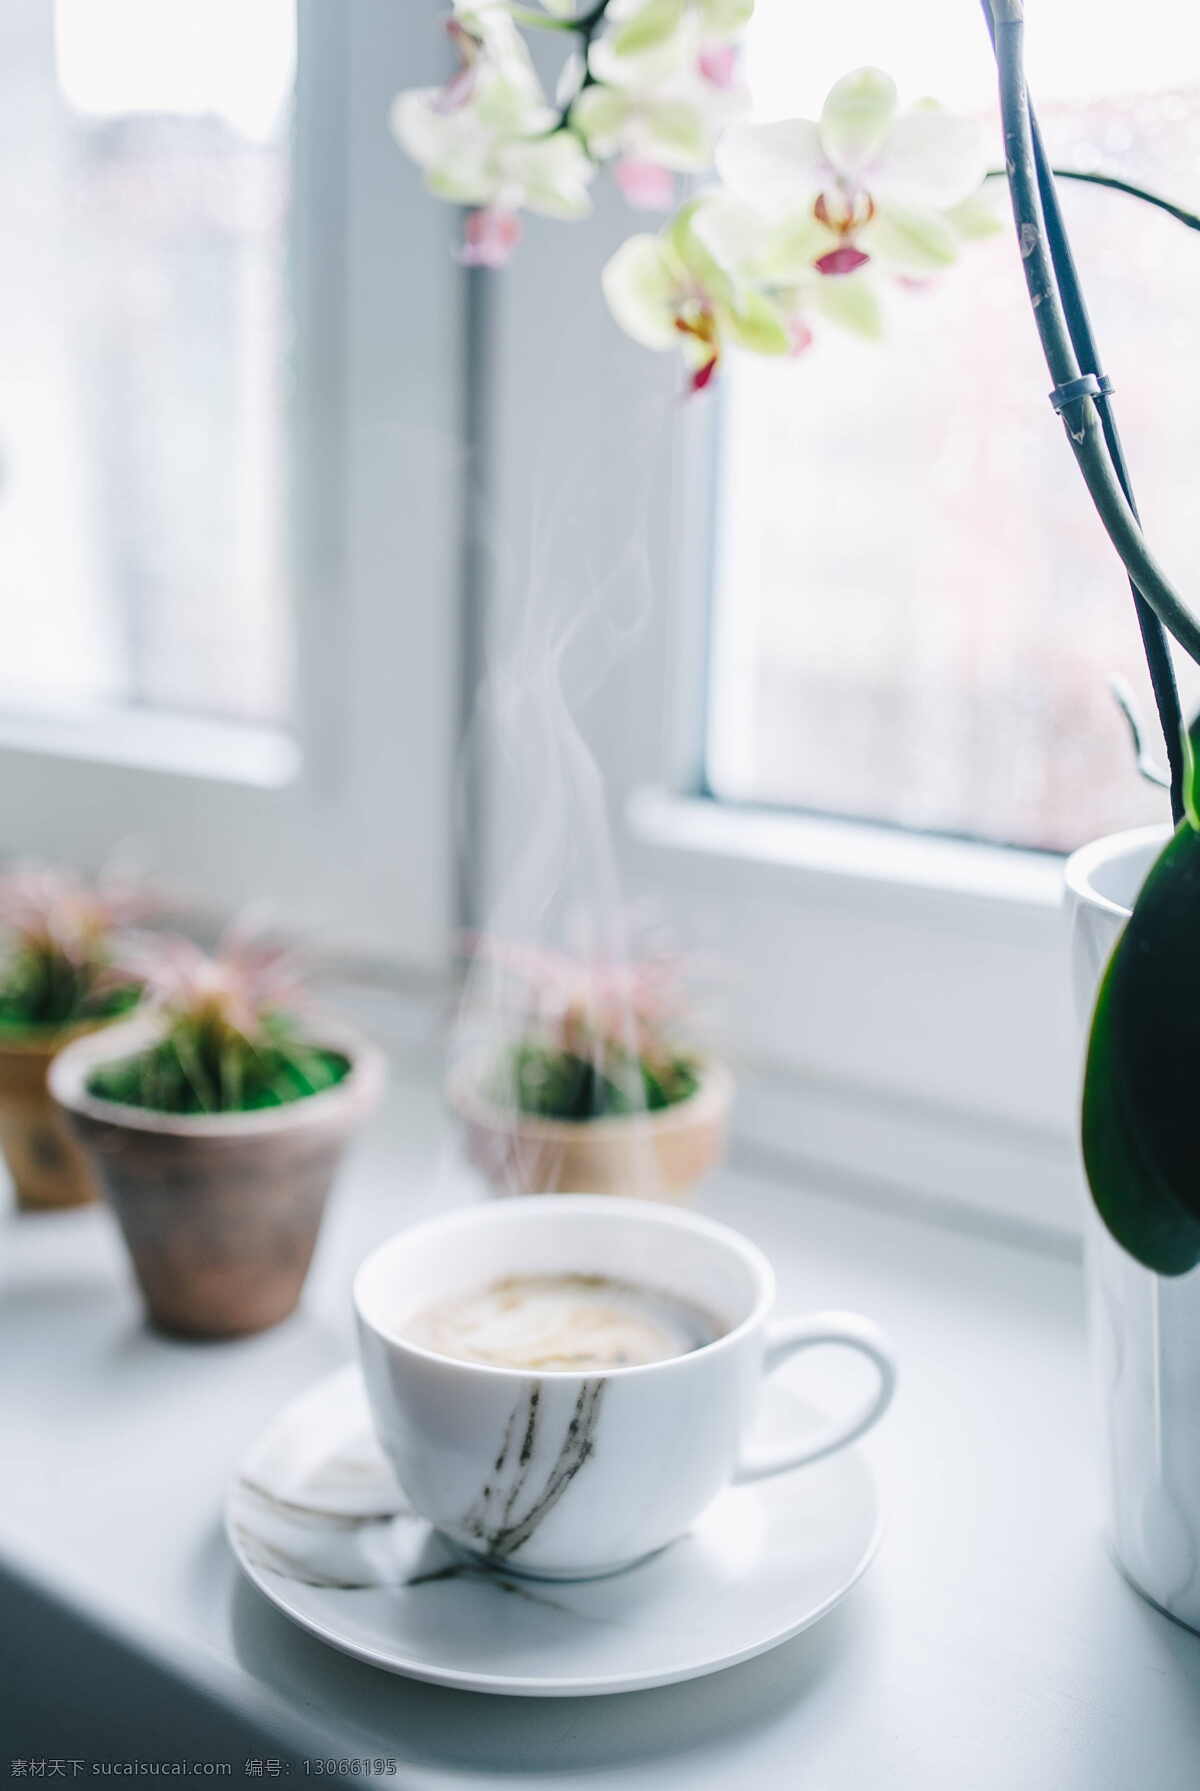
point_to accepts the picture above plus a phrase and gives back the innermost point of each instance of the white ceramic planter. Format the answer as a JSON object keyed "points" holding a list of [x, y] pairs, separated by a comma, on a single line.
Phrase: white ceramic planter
{"points": [[1145, 1328]]}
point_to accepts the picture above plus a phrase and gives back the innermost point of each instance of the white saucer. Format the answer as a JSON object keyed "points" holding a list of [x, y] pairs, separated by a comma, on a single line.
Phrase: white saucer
{"points": [[318, 1523]]}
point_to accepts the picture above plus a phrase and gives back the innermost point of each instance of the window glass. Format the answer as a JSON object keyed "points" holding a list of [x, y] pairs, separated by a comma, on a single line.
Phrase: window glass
{"points": [[916, 612], [143, 334]]}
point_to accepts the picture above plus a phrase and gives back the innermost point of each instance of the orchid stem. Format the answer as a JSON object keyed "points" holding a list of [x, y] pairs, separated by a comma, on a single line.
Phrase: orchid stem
{"points": [[1065, 334], [1180, 212], [585, 27], [1154, 638]]}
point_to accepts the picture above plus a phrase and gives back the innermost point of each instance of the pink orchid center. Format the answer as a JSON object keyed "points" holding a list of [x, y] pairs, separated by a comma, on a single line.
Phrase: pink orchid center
{"points": [[844, 212], [646, 185], [697, 319], [843, 260], [490, 237]]}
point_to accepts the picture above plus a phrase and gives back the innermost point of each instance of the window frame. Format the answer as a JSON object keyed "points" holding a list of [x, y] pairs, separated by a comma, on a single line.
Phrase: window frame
{"points": [[344, 822]]}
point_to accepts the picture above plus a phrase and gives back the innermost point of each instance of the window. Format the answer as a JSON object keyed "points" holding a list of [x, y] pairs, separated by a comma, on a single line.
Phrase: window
{"points": [[916, 611], [230, 366], [142, 355], [899, 1001]]}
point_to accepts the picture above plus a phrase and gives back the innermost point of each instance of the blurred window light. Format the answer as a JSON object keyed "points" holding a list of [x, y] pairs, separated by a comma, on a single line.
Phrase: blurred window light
{"points": [[224, 57], [916, 613], [144, 332]]}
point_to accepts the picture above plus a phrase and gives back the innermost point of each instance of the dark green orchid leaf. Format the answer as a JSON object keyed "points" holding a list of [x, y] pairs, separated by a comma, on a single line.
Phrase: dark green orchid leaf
{"points": [[1141, 1101], [1133, 1197]]}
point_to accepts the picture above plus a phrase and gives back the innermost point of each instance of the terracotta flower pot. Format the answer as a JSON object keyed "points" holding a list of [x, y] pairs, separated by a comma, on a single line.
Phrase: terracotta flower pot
{"points": [[654, 1156], [48, 1167], [220, 1212]]}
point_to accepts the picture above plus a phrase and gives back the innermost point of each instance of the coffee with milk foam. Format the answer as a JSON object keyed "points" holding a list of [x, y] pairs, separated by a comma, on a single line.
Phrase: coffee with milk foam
{"points": [[583, 1322]]}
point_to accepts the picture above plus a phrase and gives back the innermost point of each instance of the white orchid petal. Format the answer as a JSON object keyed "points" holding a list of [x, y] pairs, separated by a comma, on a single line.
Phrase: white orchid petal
{"points": [[417, 125], [649, 70], [503, 45], [857, 118], [851, 302], [601, 115], [675, 133], [511, 108], [932, 158], [910, 239], [733, 232], [551, 174], [724, 18], [639, 285], [795, 244], [778, 166], [451, 147], [695, 263], [570, 78], [462, 183], [755, 323], [652, 24], [978, 217]]}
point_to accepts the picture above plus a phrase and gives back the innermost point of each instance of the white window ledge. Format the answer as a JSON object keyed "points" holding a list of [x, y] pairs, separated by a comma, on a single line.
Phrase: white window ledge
{"points": [[993, 1644], [849, 860], [156, 740]]}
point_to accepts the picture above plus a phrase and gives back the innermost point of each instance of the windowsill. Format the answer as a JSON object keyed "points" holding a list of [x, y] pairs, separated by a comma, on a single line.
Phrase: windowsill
{"points": [[905, 999], [992, 1643], [851, 861], [151, 740]]}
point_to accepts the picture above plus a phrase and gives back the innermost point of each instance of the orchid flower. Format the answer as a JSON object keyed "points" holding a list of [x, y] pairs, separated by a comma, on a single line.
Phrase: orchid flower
{"points": [[489, 138], [885, 183], [648, 86], [809, 217], [670, 291], [636, 27], [659, 112], [780, 257]]}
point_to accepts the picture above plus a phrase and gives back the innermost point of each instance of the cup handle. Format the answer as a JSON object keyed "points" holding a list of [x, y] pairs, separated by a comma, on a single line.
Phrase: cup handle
{"points": [[788, 1338]]}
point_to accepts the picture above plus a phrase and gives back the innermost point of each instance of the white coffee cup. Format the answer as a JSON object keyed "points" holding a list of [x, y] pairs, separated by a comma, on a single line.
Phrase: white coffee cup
{"points": [[567, 1475]]}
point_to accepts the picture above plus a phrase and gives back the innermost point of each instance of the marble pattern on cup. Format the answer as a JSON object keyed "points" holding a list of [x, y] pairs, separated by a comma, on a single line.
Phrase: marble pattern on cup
{"points": [[319, 1525]]}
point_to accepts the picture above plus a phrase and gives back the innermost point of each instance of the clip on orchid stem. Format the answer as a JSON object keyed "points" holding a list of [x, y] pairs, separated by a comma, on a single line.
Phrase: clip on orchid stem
{"points": [[1081, 391]]}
